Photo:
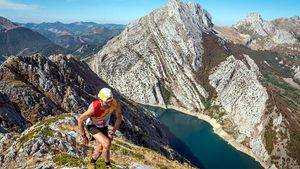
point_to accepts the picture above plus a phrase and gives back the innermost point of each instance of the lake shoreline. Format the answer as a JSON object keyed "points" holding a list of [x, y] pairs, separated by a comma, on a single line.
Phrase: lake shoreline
{"points": [[217, 128]]}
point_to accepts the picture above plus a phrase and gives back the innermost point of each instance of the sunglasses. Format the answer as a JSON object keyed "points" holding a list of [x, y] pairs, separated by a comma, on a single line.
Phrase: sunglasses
{"points": [[108, 100]]}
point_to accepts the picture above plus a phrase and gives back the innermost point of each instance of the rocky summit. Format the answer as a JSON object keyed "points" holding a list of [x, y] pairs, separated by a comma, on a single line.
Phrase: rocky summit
{"points": [[157, 55], [174, 57], [280, 35], [36, 96]]}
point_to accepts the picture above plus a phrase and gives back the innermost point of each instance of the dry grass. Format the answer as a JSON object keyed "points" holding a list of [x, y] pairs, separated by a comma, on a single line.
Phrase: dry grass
{"points": [[124, 153]]}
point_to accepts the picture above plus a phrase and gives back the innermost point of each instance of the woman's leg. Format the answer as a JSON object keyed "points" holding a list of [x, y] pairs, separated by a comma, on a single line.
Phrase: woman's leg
{"points": [[98, 150], [105, 142]]}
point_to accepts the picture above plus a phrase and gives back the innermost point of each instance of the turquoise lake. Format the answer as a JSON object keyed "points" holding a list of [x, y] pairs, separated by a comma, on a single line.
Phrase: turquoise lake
{"points": [[195, 140]]}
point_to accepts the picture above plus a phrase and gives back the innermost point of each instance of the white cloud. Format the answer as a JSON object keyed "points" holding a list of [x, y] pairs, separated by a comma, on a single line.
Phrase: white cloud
{"points": [[9, 4]]}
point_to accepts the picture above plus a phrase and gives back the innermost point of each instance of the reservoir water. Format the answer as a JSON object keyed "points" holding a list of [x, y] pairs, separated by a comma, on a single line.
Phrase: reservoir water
{"points": [[195, 140]]}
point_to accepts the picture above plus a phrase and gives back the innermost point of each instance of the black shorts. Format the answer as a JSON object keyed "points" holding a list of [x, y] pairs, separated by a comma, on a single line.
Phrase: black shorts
{"points": [[93, 129]]}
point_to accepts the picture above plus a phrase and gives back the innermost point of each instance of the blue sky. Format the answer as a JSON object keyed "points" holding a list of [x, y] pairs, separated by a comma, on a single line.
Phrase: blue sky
{"points": [[224, 12]]}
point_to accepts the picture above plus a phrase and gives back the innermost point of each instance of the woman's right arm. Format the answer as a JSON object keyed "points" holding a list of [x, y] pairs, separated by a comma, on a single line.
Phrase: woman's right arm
{"points": [[83, 117]]}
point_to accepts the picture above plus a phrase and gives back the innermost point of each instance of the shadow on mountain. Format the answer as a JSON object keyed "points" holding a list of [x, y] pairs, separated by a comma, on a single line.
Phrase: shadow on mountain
{"points": [[10, 117]]}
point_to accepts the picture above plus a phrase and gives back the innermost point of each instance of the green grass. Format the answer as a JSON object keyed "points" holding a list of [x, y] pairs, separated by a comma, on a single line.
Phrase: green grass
{"points": [[127, 152], [36, 132], [114, 147], [65, 159], [294, 145], [161, 166], [167, 95], [49, 121], [289, 92], [100, 164], [123, 144], [270, 136]]}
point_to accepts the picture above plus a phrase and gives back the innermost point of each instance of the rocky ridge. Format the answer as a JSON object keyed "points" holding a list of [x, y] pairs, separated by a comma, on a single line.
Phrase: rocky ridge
{"points": [[81, 38], [15, 39], [6, 24], [259, 34], [174, 57], [55, 143], [34, 88]]}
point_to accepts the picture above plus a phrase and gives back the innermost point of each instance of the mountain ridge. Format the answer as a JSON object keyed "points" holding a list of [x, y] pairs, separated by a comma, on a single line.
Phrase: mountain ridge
{"points": [[82, 38], [19, 40], [278, 35]]}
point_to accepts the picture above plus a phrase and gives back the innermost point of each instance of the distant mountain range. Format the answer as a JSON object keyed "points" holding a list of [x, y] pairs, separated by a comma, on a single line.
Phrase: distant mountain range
{"points": [[82, 38], [17, 40]]}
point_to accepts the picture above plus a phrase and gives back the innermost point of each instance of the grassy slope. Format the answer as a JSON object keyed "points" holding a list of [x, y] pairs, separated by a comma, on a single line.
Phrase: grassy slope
{"points": [[123, 153]]}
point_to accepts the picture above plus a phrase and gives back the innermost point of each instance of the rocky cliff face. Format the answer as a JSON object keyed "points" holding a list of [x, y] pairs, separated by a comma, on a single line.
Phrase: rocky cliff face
{"points": [[157, 55], [173, 57], [34, 88], [260, 34], [238, 87], [291, 24]]}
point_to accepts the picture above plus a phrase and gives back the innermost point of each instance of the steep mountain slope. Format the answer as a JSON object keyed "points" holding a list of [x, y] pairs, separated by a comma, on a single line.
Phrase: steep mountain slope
{"points": [[33, 88], [281, 35], [55, 143], [6, 24], [167, 46], [291, 24], [83, 38], [15, 39], [174, 57]]}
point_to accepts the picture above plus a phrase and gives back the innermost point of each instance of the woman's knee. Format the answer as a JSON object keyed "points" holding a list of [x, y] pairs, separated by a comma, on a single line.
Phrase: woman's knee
{"points": [[106, 143]]}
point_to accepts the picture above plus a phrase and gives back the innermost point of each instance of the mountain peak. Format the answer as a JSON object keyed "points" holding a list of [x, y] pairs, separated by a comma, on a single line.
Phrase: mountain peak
{"points": [[189, 13], [174, 1], [254, 17]]}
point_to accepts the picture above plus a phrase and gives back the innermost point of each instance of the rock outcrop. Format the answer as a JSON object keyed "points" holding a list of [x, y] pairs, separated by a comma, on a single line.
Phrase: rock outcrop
{"points": [[174, 57], [291, 24], [6, 24], [33, 88], [259, 34], [255, 25], [238, 87], [10, 117]]}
